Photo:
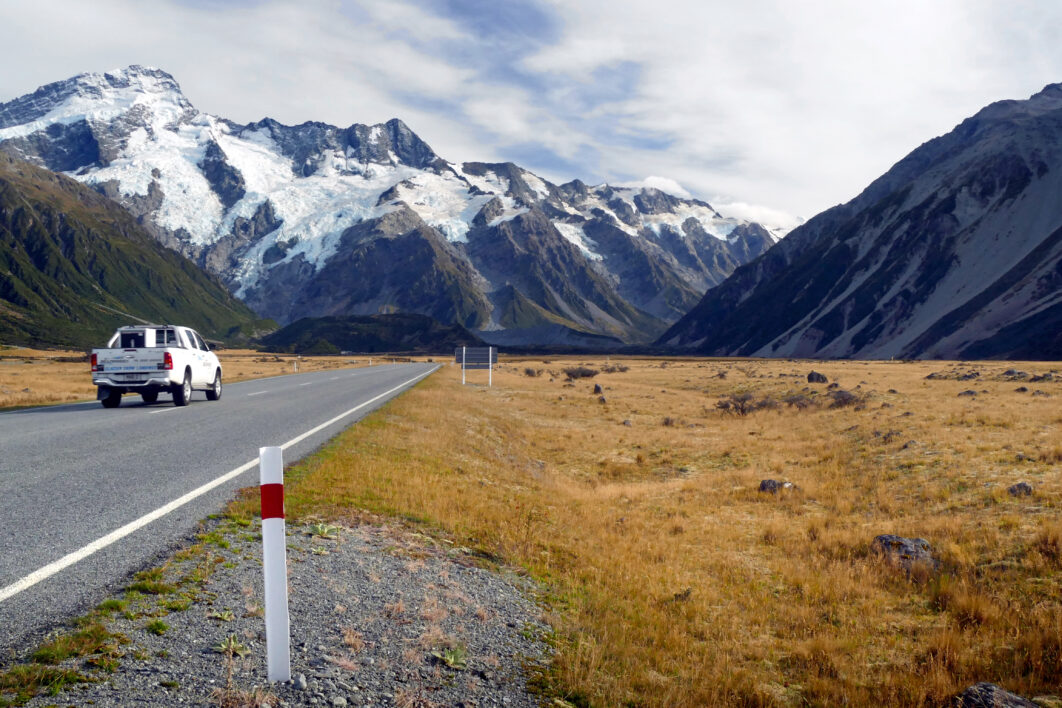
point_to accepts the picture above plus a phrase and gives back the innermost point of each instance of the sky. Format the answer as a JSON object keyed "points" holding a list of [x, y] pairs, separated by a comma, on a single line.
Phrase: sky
{"points": [[768, 109]]}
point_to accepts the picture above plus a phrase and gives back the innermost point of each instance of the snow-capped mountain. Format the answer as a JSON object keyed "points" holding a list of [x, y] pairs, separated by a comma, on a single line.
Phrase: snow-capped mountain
{"points": [[317, 220], [956, 252]]}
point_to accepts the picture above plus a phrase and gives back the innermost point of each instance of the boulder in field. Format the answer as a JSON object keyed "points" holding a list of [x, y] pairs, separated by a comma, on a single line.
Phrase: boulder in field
{"points": [[904, 552], [989, 695]]}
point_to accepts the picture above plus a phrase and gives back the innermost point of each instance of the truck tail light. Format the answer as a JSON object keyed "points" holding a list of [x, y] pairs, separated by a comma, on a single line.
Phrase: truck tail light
{"points": [[167, 361], [93, 362]]}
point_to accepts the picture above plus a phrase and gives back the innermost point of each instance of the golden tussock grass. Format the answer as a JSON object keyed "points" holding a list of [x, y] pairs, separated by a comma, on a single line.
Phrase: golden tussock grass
{"points": [[30, 377], [672, 581]]}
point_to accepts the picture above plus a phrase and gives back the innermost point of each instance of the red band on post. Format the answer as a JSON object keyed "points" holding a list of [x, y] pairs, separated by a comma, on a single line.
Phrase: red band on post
{"points": [[272, 501]]}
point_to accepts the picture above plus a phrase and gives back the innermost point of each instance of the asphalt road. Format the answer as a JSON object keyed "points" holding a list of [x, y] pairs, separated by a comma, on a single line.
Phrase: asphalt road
{"points": [[70, 475]]}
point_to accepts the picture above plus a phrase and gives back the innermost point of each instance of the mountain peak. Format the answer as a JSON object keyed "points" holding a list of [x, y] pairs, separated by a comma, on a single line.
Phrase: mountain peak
{"points": [[93, 97]]}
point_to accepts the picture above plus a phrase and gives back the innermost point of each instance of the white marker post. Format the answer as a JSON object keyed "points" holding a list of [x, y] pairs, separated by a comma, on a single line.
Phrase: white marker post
{"points": [[274, 564]]}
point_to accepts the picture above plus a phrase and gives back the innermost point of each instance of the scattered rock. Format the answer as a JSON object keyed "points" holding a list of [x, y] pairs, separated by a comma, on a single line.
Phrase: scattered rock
{"points": [[774, 486], [1021, 489], [816, 377], [905, 552], [1038, 392], [1015, 374], [1022, 389], [968, 392], [892, 390], [969, 376], [989, 695], [834, 385], [300, 682], [602, 399], [909, 444], [597, 389], [628, 423]]}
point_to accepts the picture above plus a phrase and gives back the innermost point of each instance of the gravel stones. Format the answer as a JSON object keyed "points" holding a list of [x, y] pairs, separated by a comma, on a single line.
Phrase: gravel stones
{"points": [[368, 610], [904, 552], [989, 695]]}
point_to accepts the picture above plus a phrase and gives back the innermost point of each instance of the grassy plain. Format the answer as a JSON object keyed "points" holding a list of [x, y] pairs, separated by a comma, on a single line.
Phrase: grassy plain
{"points": [[670, 580], [30, 377]]}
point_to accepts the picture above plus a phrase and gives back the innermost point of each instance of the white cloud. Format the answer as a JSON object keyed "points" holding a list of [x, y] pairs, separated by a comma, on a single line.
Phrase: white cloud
{"points": [[793, 105], [664, 184]]}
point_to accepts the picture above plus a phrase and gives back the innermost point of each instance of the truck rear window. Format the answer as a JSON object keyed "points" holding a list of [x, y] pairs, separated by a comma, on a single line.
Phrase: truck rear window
{"points": [[165, 337], [132, 340]]}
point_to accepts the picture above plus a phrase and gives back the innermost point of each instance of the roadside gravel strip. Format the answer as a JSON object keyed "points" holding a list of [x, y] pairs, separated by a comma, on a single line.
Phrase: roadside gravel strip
{"points": [[379, 617]]}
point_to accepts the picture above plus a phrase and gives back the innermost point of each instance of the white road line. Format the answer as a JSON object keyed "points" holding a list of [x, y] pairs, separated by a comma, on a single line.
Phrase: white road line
{"points": [[308, 383], [100, 543], [165, 410], [257, 393]]}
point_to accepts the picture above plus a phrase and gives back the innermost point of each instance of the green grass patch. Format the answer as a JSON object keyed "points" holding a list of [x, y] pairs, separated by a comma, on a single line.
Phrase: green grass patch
{"points": [[21, 683], [153, 587], [112, 605], [91, 639], [157, 627]]}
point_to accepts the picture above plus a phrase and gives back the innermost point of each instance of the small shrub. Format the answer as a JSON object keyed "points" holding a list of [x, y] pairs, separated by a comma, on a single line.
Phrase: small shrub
{"points": [[532, 373], [580, 372], [800, 401], [744, 402], [840, 398]]}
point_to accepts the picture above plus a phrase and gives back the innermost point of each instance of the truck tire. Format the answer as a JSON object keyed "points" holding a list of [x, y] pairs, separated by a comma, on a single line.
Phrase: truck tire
{"points": [[149, 396], [214, 392], [182, 394], [112, 399]]}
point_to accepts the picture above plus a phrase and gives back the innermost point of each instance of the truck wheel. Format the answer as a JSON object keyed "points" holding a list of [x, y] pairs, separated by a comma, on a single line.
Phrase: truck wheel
{"points": [[149, 396], [113, 399], [214, 392], [182, 395]]}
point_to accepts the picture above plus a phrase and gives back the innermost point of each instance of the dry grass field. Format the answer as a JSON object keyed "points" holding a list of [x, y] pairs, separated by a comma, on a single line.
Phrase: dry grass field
{"points": [[672, 581], [669, 578], [30, 377]]}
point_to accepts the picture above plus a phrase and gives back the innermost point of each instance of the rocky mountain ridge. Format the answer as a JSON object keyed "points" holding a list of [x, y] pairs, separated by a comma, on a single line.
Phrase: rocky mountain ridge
{"points": [[955, 252], [73, 262], [315, 220]]}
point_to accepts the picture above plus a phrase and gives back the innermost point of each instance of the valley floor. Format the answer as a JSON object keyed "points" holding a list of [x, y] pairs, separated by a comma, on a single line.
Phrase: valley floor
{"points": [[670, 579]]}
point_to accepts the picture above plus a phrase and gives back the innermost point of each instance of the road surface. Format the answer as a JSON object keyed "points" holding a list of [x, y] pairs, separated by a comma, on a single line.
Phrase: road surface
{"points": [[76, 474]]}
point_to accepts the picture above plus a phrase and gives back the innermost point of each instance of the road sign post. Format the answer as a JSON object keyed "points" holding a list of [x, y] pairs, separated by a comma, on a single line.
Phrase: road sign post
{"points": [[477, 358], [274, 565]]}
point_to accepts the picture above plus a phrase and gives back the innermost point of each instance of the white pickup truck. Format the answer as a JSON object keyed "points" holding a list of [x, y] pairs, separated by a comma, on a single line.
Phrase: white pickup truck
{"points": [[154, 359]]}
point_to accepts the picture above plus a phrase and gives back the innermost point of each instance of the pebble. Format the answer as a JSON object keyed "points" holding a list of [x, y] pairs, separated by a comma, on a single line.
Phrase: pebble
{"points": [[345, 629]]}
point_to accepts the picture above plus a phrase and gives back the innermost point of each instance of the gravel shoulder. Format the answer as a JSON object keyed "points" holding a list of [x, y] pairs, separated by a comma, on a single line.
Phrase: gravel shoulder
{"points": [[380, 616]]}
